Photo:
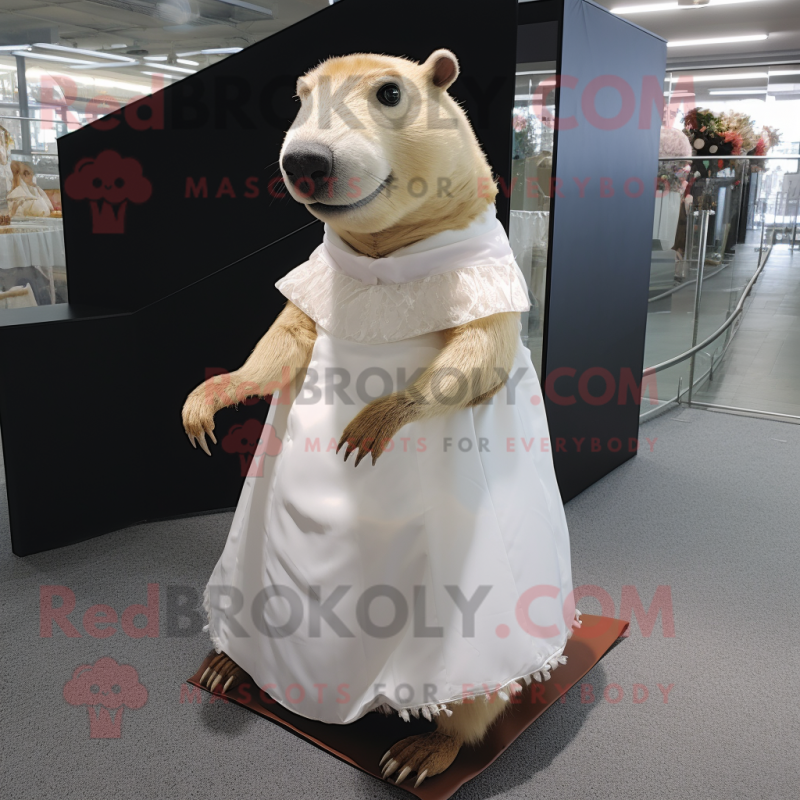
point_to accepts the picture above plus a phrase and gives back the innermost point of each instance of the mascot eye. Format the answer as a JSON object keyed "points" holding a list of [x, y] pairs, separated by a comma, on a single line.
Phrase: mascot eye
{"points": [[389, 94], [119, 183]]}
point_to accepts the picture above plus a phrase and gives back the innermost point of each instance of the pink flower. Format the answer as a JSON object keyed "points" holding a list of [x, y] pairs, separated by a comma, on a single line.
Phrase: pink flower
{"points": [[736, 139], [520, 123]]}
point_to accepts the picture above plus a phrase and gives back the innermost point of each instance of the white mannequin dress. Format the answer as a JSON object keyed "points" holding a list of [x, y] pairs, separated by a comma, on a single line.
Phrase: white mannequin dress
{"points": [[29, 200], [465, 500]]}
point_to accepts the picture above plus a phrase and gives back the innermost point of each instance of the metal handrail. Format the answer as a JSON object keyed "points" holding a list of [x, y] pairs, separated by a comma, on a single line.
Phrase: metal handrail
{"points": [[728, 158], [687, 283], [734, 314]]}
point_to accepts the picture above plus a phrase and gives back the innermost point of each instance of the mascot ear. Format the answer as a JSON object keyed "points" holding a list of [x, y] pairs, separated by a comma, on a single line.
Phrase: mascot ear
{"points": [[441, 68]]}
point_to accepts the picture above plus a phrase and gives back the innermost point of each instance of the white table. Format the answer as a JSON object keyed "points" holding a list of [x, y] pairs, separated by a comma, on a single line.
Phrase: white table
{"points": [[34, 242]]}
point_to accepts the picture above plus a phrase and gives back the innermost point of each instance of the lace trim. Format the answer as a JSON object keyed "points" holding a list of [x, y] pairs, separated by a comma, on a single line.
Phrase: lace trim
{"points": [[377, 314], [215, 640], [512, 687], [430, 710]]}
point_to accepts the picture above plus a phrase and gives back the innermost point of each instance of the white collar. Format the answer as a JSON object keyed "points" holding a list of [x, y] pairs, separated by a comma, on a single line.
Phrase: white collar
{"points": [[483, 240]]}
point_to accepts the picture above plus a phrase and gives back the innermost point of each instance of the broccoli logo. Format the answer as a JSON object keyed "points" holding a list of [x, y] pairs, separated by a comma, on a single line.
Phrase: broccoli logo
{"points": [[109, 182], [252, 441], [106, 688]]}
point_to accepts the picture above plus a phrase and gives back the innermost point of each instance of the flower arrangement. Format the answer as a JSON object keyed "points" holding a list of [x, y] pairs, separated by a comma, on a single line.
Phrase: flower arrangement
{"points": [[740, 124], [735, 139], [701, 120], [531, 136], [766, 140], [520, 125], [673, 174], [732, 133], [771, 136]]}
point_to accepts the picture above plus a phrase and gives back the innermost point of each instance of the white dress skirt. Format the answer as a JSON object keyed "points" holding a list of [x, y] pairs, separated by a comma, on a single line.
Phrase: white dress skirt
{"points": [[438, 574]]}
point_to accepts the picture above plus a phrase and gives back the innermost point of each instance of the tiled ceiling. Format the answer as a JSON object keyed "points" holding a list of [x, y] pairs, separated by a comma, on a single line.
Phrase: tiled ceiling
{"points": [[165, 26], [156, 26], [780, 19]]}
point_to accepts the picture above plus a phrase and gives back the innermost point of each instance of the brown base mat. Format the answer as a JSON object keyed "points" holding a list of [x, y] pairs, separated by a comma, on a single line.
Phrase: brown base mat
{"points": [[363, 742]]}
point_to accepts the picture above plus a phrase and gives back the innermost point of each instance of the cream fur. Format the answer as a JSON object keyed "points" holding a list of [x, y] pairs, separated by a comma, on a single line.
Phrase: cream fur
{"points": [[369, 144], [275, 363], [470, 720], [427, 137]]}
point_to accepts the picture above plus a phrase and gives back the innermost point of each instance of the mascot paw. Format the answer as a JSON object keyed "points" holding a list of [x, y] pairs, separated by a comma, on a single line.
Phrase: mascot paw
{"points": [[374, 426], [198, 419], [223, 672], [427, 754]]}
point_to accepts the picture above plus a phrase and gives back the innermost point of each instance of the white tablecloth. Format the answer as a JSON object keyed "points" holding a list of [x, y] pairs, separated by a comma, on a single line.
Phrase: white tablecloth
{"points": [[41, 245], [665, 221]]}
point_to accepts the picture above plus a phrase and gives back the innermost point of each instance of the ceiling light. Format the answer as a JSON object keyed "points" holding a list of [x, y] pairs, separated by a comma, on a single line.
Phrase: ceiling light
{"points": [[170, 68], [738, 91], [673, 6], [43, 57], [128, 87], [178, 60], [132, 63], [96, 53], [747, 76], [158, 74], [537, 72], [643, 9], [248, 6], [95, 81], [756, 37], [212, 51], [117, 46], [15, 47], [778, 73]]}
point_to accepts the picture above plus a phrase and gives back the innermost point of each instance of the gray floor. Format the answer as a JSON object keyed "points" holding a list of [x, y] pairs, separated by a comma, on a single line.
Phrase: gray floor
{"points": [[711, 513], [761, 369]]}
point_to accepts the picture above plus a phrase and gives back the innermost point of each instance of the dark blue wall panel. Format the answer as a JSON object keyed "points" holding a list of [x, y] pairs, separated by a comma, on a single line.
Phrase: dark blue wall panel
{"points": [[600, 252]]}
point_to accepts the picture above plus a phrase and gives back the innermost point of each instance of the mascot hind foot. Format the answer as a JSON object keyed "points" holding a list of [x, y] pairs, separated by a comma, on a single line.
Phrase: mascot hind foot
{"points": [[223, 673], [428, 754]]}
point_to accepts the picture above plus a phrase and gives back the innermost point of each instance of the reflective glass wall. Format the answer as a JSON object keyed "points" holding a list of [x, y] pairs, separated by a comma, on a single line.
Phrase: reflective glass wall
{"points": [[48, 89], [530, 188], [701, 267]]}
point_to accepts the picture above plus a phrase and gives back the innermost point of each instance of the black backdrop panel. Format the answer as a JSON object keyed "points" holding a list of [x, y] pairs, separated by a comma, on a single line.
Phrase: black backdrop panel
{"points": [[92, 435], [208, 145], [607, 143], [166, 286]]}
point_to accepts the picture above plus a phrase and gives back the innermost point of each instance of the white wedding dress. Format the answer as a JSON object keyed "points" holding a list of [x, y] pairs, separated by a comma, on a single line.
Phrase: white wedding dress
{"points": [[342, 590]]}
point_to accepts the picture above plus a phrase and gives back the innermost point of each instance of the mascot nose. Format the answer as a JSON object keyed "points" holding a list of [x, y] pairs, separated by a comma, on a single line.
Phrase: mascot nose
{"points": [[308, 165]]}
